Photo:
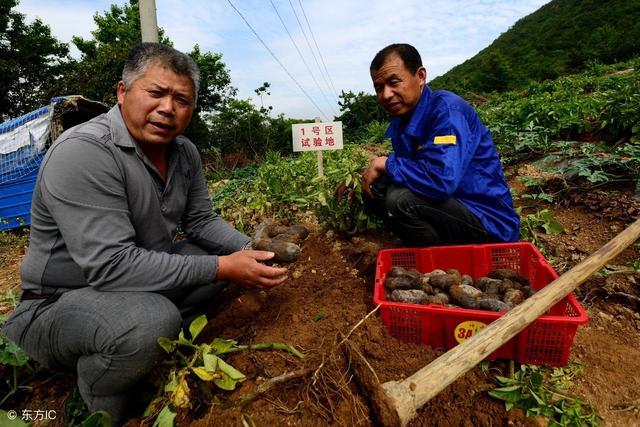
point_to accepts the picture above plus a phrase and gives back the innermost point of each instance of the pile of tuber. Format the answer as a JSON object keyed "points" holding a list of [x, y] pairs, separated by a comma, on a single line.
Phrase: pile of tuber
{"points": [[502, 289]]}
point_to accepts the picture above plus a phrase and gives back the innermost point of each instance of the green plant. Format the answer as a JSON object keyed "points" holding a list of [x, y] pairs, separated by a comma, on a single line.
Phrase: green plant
{"points": [[12, 357], [541, 391], [199, 362], [531, 224], [78, 415], [340, 197]]}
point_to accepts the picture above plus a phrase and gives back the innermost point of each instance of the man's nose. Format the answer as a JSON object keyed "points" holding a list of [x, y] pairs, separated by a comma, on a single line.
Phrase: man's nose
{"points": [[387, 93], [166, 105]]}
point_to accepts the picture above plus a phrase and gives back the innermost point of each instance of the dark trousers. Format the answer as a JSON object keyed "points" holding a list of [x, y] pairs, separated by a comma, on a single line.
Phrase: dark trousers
{"points": [[108, 338], [420, 221]]}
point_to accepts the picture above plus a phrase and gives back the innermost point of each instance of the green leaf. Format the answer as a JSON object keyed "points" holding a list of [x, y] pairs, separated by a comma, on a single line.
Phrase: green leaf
{"points": [[506, 395], [96, 419], [210, 362], [230, 370], [8, 422], [553, 227], [225, 383], [220, 346], [165, 418], [11, 354], [197, 326], [172, 382], [319, 316], [167, 345], [182, 340]]}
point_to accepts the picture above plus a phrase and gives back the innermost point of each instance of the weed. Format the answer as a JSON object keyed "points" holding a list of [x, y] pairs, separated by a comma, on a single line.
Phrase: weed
{"points": [[201, 362], [541, 391], [531, 224], [12, 357]]}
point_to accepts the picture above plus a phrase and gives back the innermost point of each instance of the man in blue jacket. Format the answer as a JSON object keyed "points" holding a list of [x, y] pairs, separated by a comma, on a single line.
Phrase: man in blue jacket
{"points": [[443, 183]]}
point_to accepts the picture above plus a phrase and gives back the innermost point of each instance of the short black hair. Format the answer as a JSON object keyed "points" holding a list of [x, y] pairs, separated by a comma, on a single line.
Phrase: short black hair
{"points": [[406, 52], [144, 54]]}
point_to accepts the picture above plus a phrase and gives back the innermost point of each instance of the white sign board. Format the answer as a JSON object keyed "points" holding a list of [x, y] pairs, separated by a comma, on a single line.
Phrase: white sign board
{"points": [[317, 136]]}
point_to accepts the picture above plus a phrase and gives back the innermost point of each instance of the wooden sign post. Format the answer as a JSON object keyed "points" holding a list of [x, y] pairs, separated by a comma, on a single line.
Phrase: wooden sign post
{"points": [[317, 137]]}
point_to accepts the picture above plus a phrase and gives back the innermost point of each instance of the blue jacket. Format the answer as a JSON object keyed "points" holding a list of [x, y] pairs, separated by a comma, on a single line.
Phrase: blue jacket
{"points": [[443, 150]]}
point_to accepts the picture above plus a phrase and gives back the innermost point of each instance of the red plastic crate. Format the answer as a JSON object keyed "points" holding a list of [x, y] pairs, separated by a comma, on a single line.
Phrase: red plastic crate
{"points": [[546, 341]]}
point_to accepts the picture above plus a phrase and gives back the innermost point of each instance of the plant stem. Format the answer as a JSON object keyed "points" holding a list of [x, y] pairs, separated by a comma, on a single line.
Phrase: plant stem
{"points": [[266, 346], [266, 386]]}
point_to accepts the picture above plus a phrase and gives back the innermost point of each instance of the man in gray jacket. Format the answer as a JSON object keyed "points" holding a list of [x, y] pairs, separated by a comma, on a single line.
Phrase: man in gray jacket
{"points": [[103, 277]]}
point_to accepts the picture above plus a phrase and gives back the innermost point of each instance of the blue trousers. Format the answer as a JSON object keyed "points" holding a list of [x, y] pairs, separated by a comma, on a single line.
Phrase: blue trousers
{"points": [[107, 338]]}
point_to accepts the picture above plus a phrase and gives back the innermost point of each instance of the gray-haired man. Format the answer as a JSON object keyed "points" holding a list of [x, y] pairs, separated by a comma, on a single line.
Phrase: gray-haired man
{"points": [[103, 278]]}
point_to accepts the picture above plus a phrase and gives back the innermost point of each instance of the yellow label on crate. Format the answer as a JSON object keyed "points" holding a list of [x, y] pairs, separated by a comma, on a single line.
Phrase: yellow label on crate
{"points": [[467, 329]]}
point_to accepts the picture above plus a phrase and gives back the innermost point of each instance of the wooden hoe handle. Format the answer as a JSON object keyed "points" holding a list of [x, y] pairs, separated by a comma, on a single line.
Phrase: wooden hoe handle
{"points": [[410, 394]]}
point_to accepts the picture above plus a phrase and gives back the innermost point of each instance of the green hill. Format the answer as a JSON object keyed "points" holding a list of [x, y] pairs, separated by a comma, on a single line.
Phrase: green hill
{"points": [[561, 37]]}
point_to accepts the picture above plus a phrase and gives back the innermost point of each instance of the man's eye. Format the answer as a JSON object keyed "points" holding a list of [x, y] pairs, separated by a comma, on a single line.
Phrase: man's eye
{"points": [[182, 101], [155, 93]]}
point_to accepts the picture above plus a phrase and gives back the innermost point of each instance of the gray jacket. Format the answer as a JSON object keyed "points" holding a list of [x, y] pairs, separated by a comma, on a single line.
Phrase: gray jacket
{"points": [[102, 215]]}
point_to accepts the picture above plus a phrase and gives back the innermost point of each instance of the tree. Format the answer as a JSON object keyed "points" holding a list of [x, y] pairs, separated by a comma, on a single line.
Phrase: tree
{"points": [[99, 69], [358, 110], [215, 90], [32, 62]]}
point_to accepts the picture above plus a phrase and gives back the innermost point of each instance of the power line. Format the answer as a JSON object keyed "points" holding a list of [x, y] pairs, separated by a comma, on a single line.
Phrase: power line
{"points": [[316, 43], [310, 48], [302, 57], [277, 60]]}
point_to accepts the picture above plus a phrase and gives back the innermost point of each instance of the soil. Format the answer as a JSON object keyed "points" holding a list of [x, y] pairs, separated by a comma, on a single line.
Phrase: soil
{"points": [[330, 291]]}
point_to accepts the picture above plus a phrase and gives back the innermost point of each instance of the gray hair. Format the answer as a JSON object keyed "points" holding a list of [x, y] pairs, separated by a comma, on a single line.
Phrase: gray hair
{"points": [[145, 54]]}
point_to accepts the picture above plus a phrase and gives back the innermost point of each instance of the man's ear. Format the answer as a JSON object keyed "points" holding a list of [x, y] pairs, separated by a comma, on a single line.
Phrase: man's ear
{"points": [[120, 92], [422, 74]]}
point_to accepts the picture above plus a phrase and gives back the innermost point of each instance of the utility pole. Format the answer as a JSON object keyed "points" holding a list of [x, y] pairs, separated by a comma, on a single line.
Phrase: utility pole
{"points": [[148, 21]]}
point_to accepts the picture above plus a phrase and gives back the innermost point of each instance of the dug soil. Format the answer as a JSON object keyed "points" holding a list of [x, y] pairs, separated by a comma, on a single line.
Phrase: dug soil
{"points": [[328, 296]]}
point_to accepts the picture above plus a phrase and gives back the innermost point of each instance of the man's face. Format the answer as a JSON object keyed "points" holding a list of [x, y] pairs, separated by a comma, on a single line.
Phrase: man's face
{"points": [[157, 107], [398, 90]]}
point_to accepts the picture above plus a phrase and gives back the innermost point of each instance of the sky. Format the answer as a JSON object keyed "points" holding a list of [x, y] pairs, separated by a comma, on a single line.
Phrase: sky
{"points": [[324, 46]]}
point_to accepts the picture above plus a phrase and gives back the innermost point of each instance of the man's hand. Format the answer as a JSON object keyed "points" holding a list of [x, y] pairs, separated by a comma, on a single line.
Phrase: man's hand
{"points": [[377, 168], [244, 269]]}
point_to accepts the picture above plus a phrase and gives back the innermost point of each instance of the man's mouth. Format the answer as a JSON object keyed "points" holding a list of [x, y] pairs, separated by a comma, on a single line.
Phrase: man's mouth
{"points": [[163, 126], [392, 106]]}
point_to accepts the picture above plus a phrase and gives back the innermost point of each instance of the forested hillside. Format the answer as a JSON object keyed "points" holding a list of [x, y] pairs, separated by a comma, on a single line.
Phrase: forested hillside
{"points": [[561, 37]]}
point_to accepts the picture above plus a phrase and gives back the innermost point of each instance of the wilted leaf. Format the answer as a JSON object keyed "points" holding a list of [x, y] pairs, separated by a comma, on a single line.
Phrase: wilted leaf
{"points": [[204, 374], [180, 396]]}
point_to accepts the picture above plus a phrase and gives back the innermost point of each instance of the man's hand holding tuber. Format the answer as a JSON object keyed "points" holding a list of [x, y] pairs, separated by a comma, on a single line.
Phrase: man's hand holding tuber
{"points": [[245, 269]]}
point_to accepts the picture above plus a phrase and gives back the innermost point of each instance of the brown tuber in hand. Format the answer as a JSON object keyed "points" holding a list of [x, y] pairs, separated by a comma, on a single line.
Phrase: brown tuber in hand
{"points": [[282, 241]]}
